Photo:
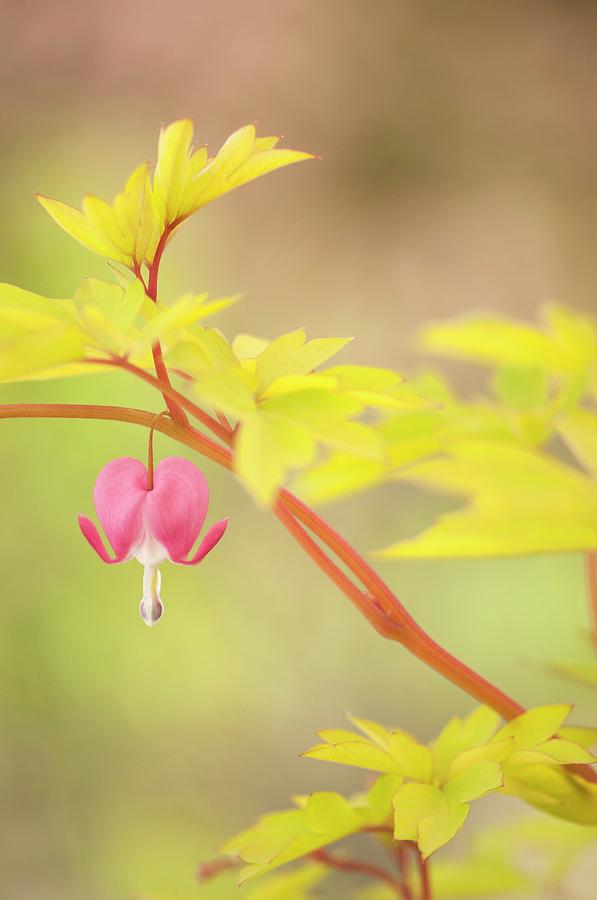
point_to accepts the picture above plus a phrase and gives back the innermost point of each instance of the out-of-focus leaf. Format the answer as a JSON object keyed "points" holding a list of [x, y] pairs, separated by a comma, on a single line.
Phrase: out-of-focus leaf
{"points": [[565, 751], [341, 475], [108, 314], [579, 430], [325, 416], [375, 387], [585, 737], [521, 389], [567, 345], [266, 449], [202, 351], [190, 308], [585, 672], [555, 791], [522, 502], [36, 334]]}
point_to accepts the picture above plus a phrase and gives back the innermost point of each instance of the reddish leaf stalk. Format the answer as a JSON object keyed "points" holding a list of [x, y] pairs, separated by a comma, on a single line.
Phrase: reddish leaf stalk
{"points": [[214, 867], [425, 881], [357, 867], [401, 856], [161, 371]]}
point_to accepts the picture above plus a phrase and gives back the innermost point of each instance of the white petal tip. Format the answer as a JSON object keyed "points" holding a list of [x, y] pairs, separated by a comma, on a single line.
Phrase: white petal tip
{"points": [[151, 611]]}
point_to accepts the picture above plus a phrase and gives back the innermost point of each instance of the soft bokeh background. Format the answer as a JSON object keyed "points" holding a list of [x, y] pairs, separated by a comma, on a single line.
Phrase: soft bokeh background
{"points": [[459, 146]]}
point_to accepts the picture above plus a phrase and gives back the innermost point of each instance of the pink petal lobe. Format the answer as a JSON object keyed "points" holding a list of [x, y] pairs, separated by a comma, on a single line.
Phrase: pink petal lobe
{"points": [[119, 495], [177, 505], [91, 535], [212, 536]]}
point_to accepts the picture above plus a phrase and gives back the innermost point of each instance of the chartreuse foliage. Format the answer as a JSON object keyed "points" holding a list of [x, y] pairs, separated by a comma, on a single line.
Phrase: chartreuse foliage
{"points": [[423, 792], [499, 452], [185, 179], [523, 498], [320, 819]]}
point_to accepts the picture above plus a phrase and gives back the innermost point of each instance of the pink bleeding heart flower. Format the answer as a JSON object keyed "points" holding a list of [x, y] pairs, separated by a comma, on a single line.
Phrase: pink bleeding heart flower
{"points": [[151, 519]]}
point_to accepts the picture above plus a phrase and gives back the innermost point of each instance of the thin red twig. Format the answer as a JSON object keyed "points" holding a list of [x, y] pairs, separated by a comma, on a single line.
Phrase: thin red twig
{"points": [[214, 867], [401, 857], [425, 880], [161, 371], [356, 867]]}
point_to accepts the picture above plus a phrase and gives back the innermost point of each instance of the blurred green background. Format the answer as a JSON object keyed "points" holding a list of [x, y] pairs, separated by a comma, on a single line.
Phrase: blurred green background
{"points": [[458, 172]]}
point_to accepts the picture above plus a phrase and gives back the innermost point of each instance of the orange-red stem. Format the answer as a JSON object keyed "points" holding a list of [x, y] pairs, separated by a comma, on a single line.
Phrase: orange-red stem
{"points": [[357, 867]]}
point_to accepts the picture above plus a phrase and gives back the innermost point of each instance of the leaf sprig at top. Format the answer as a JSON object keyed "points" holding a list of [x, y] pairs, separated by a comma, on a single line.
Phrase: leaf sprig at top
{"points": [[185, 179]]}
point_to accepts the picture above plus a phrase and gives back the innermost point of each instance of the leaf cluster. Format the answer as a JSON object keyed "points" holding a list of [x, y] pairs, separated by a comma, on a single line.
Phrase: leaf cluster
{"points": [[424, 792], [148, 210]]}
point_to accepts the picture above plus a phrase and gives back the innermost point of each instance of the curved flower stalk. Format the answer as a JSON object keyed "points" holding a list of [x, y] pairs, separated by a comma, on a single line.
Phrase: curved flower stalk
{"points": [[151, 517]]}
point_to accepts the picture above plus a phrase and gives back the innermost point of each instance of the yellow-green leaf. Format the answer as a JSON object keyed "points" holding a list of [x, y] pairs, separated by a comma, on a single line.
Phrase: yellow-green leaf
{"points": [[414, 760], [266, 449], [292, 354], [535, 726], [424, 814], [521, 502], [361, 754], [172, 168], [579, 430], [474, 782]]}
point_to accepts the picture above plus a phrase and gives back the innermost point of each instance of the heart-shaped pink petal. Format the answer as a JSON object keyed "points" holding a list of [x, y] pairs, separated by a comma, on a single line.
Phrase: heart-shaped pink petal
{"points": [[119, 496], [177, 505]]}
